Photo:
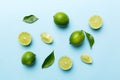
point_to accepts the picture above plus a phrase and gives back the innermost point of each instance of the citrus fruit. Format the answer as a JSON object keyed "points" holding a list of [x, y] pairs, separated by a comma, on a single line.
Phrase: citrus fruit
{"points": [[77, 37], [86, 58], [61, 18], [46, 37], [24, 38], [95, 22], [28, 58], [65, 63]]}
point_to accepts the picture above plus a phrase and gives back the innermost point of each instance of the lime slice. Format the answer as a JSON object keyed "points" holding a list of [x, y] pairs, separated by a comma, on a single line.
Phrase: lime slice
{"points": [[46, 37], [95, 22], [24, 38], [65, 63], [86, 58]]}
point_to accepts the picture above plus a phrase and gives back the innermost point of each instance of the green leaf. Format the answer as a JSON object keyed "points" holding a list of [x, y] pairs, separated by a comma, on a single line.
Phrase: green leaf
{"points": [[48, 61], [90, 39], [30, 19]]}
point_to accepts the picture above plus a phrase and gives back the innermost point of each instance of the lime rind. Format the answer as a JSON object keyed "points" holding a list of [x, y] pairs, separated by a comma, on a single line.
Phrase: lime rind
{"points": [[24, 38], [46, 37], [65, 63], [95, 22], [86, 58]]}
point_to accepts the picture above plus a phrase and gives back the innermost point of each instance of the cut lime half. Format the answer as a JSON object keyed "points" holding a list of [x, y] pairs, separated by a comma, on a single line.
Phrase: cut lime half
{"points": [[95, 22], [46, 37], [65, 63], [24, 38], [86, 58]]}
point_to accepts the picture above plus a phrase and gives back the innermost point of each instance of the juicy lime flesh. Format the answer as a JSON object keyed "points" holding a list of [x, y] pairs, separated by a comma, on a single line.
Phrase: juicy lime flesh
{"points": [[28, 58], [77, 38], [24, 38], [86, 58], [61, 18], [46, 37], [95, 22], [65, 63]]}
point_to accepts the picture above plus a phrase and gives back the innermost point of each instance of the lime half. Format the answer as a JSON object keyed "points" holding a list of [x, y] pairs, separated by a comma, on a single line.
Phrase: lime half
{"points": [[95, 22], [46, 37], [65, 63], [86, 58], [24, 38]]}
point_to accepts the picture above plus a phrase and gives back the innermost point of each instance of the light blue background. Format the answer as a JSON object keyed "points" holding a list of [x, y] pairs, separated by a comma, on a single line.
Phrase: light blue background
{"points": [[105, 52]]}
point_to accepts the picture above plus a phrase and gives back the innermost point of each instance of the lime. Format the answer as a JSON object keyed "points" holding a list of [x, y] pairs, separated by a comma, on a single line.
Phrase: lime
{"points": [[28, 58], [95, 22], [65, 63], [24, 38], [86, 58], [77, 37], [61, 18], [46, 37]]}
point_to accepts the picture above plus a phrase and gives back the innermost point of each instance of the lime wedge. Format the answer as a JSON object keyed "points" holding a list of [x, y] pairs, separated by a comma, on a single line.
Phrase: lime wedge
{"points": [[95, 22], [86, 58], [65, 63], [24, 38], [46, 37]]}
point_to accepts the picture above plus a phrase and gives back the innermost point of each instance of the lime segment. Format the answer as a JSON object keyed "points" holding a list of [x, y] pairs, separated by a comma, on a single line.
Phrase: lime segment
{"points": [[86, 58], [24, 38], [65, 63], [95, 22], [46, 37]]}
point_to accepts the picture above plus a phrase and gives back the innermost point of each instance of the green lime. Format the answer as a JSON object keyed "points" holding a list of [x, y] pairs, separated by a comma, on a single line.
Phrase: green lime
{"points": [[46, 37], [28, 58], [24, 38], [65, 63], [60, 18], [86, 58], [77, 37], [95, 22]]}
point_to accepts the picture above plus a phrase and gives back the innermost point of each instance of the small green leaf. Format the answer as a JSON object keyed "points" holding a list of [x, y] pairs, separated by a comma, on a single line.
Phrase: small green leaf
{"points": [[48, 61], [30, 19], [90, 39]]}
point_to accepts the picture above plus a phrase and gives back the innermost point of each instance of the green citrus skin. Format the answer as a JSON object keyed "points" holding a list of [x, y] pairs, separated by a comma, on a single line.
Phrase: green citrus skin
{"points": [[60, 18], [28, 58], [77, 37]]}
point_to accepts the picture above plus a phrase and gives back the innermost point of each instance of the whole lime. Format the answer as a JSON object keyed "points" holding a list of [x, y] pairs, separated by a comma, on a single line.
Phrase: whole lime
{"points": [[77, 37], [28, 58], [61, 18]]}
